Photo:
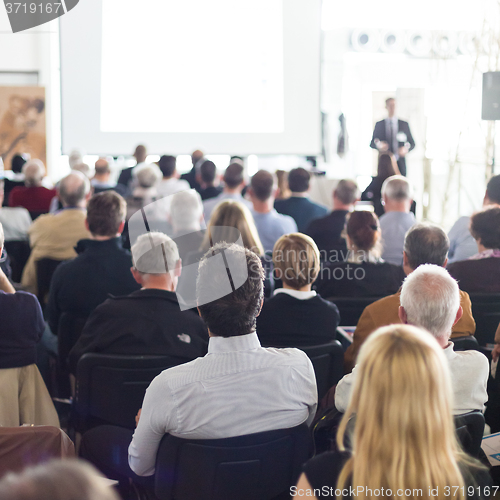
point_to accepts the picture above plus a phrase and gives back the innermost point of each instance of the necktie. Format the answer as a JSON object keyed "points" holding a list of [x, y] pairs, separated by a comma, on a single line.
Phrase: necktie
{"points": [[391, 137]]}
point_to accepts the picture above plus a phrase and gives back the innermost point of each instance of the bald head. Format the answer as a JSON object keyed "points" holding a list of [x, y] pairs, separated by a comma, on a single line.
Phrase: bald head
{"points": [[34, 171], [74, 189], [102, 167]]}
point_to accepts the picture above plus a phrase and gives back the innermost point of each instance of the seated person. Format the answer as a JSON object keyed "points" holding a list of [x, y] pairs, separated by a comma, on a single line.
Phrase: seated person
{"points": [[126, 177], [430, 299], [327, 231], [296, 316], [101, 268], [15, 221], [170, 183], [102, 179], [479, 273], [147, 321], [32, 196], [424, 244], [145, 181], [209, 181], [402, 380], [15, 177], [364, 273], [239, 388]]}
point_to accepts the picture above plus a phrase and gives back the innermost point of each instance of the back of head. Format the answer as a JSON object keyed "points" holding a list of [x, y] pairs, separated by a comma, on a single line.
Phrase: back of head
{"points": [[235, 313], [57, 480], [296, 260], [387, 166], [262, 184], [397, 188], [167, 165], [155, 253], [234, 175], [493, 189], [363, 229], [83, 168], [346, 192], [73, 189], [102, 167], [186, 210], [148, 175], [431, 298], [140, 153], [426, 244], [298, 180], [208, 171], [105, 213], [74, 158], [485, 227], [18, 162], [34, 172], [196, 156]]}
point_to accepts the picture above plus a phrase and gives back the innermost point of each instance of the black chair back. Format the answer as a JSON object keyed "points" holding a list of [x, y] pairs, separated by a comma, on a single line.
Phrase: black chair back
{"points": [[253, 467], [19, 252], [351, 308], [470, 430], [328, 363], [486, 312], [110, 388], [45, 269], [69, 329], [465, 344]]}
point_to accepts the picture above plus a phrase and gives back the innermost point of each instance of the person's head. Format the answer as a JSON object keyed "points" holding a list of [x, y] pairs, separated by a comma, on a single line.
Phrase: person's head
{"points": [[402, 398], [148, 175], [345, 194], [102, 169], [234, 178], [186, 211], [283, 188], [397, 194], [106, 213], [387, 166], [34, 172], [492, 196], [74, 158], [18, 162], [262, 187], [196, 156], [485, 228], [363, 232], [74, 190], [390, 105], [156, 262], [296, 261], [298, 180], [233, 214], [208, 173], [167, 166], [425, 244], [83, 168], [430, 299], [234, 314], [57, 480], [140, 153]]}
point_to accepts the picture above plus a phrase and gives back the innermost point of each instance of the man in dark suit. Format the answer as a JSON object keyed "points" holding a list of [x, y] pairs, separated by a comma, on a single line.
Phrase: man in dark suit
{"points": [[392, 134]]}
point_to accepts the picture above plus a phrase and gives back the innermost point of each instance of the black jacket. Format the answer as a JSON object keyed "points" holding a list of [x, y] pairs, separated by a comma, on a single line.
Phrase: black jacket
{"points": [[148, 321], [326, 233], [80, 285]]}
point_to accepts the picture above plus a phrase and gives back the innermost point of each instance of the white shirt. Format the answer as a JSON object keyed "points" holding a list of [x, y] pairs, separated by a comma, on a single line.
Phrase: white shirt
{"points": [[394, 123], [167, 187], [469, 376], [15, 222], [210, 204], [297, 294], [238, 388]]}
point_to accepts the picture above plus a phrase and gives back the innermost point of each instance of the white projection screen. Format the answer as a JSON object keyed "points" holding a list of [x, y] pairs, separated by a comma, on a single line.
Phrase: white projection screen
{"points": [[224, 76]]}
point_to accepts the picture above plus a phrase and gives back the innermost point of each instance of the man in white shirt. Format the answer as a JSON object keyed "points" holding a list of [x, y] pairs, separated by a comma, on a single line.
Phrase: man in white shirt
{"points": [[430, 299], [16, 221], [170, 184]]}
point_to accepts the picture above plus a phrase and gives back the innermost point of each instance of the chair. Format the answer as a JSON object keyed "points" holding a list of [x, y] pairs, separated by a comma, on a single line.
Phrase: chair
{"points": [[110, 388], [465, 344], [45, 269], [328, 364], [253, 467], [351, 308], [19, 252], [486, 312], [69, 329], [470, 430]]}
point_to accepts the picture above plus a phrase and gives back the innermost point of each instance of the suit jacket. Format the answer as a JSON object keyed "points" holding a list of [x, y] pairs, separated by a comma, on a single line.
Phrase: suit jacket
{"points": [[302, 209], [379, 133], [384, 312], [326, 232]]}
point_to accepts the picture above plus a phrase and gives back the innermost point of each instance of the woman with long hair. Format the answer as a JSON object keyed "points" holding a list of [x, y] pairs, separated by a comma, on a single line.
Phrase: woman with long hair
{"points": [[403, 442]]}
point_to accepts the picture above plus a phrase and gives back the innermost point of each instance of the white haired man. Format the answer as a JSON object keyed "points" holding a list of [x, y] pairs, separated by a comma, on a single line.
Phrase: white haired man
{"points": [[430, 299]]}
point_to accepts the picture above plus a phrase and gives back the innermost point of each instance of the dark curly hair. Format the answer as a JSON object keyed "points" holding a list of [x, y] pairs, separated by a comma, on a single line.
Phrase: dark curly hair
{"points": [[485, 226]]}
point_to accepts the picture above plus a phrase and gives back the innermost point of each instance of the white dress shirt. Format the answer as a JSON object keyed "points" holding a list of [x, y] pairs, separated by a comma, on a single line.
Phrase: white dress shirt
{"points": [[297, 294], [238, 388], [168, 187], [392, 123]]}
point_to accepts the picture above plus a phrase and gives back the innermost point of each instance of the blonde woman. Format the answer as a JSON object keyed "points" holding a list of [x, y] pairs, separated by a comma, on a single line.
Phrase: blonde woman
{"points": [[404, 435]]}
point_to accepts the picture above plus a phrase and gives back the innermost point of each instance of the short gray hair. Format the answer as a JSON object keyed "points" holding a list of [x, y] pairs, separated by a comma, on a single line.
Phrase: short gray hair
{"points": [[347, 191], [426, 243], [186, 209], [34, 172], [431, 298], [155, 253], [397, 188], [148, 175], [73, 189]]}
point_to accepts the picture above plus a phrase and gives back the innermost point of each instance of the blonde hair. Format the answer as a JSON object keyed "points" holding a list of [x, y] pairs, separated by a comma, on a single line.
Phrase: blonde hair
{"points": [[233, 214], [296, 260], [404, 434]]}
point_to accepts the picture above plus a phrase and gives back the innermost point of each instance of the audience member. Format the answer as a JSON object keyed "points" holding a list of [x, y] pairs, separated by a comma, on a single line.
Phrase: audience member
{"points": [[102, 266], [209, 181], [239, 388], [430, 299], [170, 184], [479, 273], [147, 321], [423, 244], [57, 480], [296, 316], [192, 175], [140, 155], [102, 179], [32, 196], [147, 178], [234, 182], [55, 235], [283, 189], [15, 221], [387, 167], [327, 231], [270, 224], [363, 273], [403, 403], [299, 206], [462, 243], [16, 177], [83, 168], [397, 198]]}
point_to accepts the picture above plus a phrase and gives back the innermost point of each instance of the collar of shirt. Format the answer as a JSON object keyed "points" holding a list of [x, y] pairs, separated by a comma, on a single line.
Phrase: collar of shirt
{"points": [[449, 353], [394, 120], [247, 342], [490, 252], [296, 293]]}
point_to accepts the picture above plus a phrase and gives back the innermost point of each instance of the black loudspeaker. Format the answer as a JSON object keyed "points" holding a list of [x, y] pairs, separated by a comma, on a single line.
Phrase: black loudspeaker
{"points": [[491, 96]]}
